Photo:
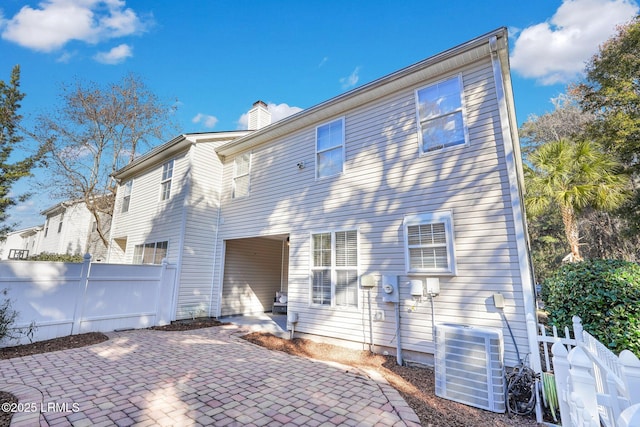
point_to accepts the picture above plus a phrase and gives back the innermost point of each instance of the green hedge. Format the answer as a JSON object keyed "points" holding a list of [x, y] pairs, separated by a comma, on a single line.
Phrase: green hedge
{"points": [[606, 296], [45, 256]]}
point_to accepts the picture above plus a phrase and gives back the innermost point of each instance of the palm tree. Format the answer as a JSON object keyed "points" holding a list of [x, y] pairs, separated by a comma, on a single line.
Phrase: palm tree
{"points": [[572, 176]]}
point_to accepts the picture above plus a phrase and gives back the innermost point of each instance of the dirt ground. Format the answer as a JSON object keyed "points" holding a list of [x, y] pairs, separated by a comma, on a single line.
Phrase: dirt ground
{"points": [[415, 384]]}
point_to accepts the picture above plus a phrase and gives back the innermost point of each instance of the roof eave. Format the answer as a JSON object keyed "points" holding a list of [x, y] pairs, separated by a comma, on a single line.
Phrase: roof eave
{"points": [[168, 150]]}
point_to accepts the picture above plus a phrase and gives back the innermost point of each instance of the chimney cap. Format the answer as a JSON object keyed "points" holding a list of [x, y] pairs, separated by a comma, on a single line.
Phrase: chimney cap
{"points": [[259, 102]]}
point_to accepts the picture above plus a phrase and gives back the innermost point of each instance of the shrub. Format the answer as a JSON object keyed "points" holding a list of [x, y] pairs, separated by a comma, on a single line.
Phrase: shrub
{"points": [[46, 256], [7, 316], [606, 296]]}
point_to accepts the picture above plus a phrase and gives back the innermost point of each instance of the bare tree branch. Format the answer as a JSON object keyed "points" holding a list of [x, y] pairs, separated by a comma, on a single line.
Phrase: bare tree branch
{"points": [[95, 131]]}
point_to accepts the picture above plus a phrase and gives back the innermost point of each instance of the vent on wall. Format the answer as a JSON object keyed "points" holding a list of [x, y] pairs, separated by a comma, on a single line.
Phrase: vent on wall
{"points": [[469, 366]]}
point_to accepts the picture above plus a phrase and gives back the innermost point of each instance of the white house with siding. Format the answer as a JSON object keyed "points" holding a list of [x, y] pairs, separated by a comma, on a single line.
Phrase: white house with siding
{"points": [[20, 244], [69, 229], [167, 206], [413, 177]]}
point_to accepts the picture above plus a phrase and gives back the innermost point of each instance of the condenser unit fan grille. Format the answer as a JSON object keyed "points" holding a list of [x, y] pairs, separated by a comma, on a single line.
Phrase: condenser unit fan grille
{"points": [[469, 366]]}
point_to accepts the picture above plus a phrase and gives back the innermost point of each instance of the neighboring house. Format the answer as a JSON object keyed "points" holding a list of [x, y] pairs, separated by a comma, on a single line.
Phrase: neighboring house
{"points": [[414, 176], [20, 244], [69, 229]]}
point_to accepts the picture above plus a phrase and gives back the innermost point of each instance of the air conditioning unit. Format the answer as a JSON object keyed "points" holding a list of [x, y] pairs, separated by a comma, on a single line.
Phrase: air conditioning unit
{"points": [[469, 366]]}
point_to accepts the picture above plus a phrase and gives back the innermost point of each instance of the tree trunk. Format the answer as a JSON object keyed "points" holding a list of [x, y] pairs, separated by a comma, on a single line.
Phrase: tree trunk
{"points": [[572, 232]]}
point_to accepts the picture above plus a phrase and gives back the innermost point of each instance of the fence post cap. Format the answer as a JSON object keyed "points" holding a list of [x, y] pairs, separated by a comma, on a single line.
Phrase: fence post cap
{"points": [[627, 358], [577, 357], [576, 319], [558, 349], [87, 257], [630, 416]]}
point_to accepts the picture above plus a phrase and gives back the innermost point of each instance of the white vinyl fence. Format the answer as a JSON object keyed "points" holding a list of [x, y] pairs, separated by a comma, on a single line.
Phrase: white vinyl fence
{"points": [[594, 386], [73, 298]]}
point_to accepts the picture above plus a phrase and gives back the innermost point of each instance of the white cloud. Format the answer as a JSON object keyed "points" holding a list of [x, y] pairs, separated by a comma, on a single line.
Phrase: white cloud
{"points": [[208, 121], [65, 57], [115, 56], [278, 112], [324, 61], [26, 206], [281, 111], [54, 23], [351, 80], [557, 51]]}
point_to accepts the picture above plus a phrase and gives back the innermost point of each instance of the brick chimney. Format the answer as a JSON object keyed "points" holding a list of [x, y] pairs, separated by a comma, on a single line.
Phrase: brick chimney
{"points": [[259, 116]]}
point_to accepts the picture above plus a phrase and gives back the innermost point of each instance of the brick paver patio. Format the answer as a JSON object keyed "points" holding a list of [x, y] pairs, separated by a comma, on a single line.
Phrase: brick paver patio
{"points": [[207, 377]]}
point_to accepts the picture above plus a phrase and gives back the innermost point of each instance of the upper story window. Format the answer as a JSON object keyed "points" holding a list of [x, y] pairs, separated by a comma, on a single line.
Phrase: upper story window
{"points": [[330, 148], [165, 184], [150, 253], [46, 227], [334, 269], [429, 243], [441, 120], [241, 170], [61, 221], [126, 198]]}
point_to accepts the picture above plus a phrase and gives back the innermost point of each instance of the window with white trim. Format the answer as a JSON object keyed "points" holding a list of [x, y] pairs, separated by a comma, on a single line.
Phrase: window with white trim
{"points": [[150, 253], [334, 269], [429, 243], [126, 198], [165, 184], [441, 121], [241, 171], [330, 149], [60, 223]]}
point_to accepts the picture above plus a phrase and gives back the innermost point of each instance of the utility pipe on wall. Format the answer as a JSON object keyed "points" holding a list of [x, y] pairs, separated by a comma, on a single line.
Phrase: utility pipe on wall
{"points": [[370, 322], [398, 344]]}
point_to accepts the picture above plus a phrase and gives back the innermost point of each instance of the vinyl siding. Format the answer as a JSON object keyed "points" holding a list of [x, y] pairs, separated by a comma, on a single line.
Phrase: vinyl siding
{"points": [[188, 221], [385, 178], [150, 219], [196, 273], [72, 238]]}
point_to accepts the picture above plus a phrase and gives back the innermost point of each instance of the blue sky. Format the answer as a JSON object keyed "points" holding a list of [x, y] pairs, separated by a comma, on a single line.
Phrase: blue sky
{"points": [[215, 58]]}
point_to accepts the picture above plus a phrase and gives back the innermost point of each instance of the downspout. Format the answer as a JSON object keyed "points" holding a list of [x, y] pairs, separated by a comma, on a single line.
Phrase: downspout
{"points": [[217, 271], [516, 190], [370, 321], [183, 227], [398, 343], [114, 219], [215, 255]]}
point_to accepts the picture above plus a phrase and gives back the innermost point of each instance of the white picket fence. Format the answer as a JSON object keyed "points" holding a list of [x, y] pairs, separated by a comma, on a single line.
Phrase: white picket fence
{"points": [[594, 386], [72, 298]]}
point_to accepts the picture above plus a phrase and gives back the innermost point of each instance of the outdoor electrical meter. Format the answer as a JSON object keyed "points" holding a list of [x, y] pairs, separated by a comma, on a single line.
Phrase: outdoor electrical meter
{"points": [[390, 289]]}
